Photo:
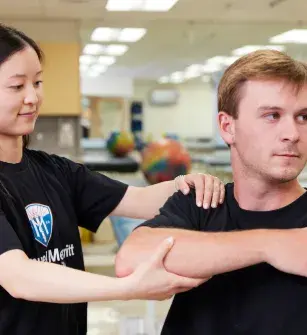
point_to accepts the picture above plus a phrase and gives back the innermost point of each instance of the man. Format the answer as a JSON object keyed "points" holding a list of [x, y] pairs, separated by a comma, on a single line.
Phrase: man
{"points": [[255, 244]]}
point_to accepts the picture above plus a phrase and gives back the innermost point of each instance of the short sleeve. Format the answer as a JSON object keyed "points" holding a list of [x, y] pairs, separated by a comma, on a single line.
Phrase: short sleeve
{"points": [[95, 195], [8, 238], [180, 211]]}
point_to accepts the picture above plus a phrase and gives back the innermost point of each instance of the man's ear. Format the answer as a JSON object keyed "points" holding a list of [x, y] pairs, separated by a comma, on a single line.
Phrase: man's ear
{"points": [[226, 126]]}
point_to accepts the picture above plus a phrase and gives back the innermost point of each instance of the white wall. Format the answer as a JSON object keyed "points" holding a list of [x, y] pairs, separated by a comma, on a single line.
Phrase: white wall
{"points": [[191, 117], [105, 86]]}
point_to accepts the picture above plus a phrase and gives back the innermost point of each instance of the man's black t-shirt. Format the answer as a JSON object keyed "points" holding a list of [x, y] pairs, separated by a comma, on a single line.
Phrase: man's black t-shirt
{"points": [[47, 198], [257, 300]]}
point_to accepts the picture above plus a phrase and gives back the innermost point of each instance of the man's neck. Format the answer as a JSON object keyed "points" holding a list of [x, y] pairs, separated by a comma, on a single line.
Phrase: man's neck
{"points": [[260, 196]]}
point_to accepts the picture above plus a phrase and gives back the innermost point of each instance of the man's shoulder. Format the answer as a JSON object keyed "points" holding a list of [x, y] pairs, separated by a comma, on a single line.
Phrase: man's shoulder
{"points": [[190, 198], [185, 206]]}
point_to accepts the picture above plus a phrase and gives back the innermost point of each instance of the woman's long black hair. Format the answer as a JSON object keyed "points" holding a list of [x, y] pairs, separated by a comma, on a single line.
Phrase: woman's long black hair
{"points": [[11, 42]]}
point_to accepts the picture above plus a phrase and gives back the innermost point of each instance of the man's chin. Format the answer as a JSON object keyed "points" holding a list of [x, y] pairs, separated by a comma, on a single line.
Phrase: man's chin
{"points": [[285, 176]]}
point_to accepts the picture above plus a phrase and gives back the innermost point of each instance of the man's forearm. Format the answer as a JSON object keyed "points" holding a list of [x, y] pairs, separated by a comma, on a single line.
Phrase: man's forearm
{"points": [[195, 254]]}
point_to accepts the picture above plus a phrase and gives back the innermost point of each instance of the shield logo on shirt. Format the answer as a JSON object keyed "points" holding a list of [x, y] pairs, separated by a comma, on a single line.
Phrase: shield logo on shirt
{"points": [[41, 221]]}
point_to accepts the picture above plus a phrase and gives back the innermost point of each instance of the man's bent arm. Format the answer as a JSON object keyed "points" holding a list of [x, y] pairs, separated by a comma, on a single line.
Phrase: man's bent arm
{"points": [[195, 254]]}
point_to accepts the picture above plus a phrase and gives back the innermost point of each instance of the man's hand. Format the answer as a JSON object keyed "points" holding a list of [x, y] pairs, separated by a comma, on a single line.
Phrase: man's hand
{"points": [[209, 189], [286, 250]]}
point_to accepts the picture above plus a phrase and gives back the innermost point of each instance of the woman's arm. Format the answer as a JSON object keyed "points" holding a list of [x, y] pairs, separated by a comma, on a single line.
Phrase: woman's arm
{"points": [[45, 282]]}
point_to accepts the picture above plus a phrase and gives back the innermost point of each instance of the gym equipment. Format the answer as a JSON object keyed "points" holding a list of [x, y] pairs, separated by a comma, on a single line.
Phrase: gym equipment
{"points": [[104, 162], [171, 136], [164, 160], [139, 143], [97, 158], [120, 143]]}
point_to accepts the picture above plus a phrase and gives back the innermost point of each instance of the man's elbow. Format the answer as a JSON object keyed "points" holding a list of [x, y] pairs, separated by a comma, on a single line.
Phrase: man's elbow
{"points": [[131, 253], [123, 267]]}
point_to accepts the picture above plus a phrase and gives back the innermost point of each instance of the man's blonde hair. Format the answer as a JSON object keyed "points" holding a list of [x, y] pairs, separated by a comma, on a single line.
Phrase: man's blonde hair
{"points": [[261, 64]]}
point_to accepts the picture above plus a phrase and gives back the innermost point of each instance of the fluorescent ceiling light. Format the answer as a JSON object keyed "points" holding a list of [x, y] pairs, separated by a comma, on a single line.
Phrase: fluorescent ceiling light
{"points": [[98, 68], [106, 60], [87, 59], [177, 77], [163, 80], [105, 34], [116, 49], [191, 75], [102, 34], [99, 49], [251, 48], [131, 34], [216, 60], [93, 49], [92, 74], [222, 60], [194, 68], [193, 71], [230, 60], [126, 5], [216, 63], [177, 80], [141, 5], [159, 5], [211, 68], [83, 68], [298, 36], [95, 70]]}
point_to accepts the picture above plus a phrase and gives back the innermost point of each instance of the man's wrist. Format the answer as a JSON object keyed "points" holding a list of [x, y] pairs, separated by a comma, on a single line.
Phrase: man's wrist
{"points": [[267, 237]]}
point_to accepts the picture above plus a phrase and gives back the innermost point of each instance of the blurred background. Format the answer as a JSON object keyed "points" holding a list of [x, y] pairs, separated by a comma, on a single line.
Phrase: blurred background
{"points": [[130, 91]]}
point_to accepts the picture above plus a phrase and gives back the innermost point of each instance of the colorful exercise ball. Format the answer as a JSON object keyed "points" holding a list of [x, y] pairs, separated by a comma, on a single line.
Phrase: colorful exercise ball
{"points": [[164, 160], [120, 143]]}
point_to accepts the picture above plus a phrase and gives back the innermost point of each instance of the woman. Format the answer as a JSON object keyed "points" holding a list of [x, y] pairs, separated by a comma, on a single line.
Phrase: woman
{"points": [[43, 200]]}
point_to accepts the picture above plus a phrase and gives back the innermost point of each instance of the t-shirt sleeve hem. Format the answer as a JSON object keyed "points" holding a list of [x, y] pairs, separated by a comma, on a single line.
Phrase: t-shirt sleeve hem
{"points": [[10, 248], [105, 212]]}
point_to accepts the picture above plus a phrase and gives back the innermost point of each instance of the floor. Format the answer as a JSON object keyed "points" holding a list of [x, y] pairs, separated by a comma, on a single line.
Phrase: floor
{"points": [[127, 318], [119, 317]]}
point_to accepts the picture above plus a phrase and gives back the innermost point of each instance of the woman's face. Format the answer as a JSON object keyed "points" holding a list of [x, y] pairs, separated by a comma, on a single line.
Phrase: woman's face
{"points": [[20, 93]]}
